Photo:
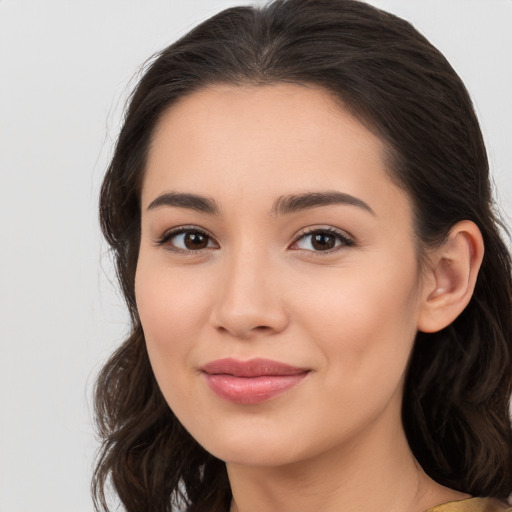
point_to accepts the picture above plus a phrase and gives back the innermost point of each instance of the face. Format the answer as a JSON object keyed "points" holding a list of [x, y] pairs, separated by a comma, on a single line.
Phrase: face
{"points": [[277, 283]]}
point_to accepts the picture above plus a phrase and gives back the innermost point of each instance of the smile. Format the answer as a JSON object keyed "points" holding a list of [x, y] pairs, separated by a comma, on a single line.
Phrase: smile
{"points": [[251, 382]]}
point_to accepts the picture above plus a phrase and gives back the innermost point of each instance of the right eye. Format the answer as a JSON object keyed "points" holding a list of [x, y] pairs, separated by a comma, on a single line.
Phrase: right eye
{"points": [[187, 239]]}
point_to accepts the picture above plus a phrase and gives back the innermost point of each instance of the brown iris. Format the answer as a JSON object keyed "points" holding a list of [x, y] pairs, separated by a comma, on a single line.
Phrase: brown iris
{"points": [[194, 240], [323, 241]]}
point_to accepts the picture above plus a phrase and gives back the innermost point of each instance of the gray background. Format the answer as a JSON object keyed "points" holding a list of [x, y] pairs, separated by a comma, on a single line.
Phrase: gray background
{"points": [[65, 70]]}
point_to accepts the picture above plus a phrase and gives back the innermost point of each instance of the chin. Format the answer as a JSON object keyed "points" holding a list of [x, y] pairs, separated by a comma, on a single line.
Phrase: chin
{"points": [[256, 444], [252, 455]]}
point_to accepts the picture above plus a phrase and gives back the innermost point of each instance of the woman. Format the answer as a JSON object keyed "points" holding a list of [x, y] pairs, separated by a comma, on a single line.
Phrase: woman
{"points": [[299, 207]]}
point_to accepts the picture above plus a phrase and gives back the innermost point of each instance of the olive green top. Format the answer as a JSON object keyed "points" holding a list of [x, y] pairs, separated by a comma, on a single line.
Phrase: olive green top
{"points": [[473, 505]]}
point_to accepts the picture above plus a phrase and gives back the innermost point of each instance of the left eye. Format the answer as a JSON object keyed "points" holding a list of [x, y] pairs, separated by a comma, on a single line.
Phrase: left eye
{"points": [[191, 240], [322, 240], [187, 239]]}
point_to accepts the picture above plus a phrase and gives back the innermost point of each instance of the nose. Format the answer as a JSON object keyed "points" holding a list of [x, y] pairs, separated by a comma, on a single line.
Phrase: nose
{"points": [[250, 298]]}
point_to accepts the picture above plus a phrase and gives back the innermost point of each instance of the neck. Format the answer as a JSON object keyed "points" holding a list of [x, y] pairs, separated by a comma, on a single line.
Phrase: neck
{"points": [[374, 471]]}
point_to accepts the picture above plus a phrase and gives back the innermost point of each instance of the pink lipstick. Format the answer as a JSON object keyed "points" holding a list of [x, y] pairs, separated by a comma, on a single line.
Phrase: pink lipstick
{"points": [[253, 381]]}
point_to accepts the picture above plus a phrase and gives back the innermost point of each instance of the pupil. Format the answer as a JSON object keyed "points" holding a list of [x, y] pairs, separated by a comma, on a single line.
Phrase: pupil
{"points": [[323, 242], [195, 241]]}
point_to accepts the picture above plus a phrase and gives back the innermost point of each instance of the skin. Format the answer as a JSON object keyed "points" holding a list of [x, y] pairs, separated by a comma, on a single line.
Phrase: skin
{"points": [[259, 288]]}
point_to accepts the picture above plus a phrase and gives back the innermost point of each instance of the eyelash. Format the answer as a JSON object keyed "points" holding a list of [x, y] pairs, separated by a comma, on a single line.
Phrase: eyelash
{"points": [[169, 235], [345, 241], [342, 237]]}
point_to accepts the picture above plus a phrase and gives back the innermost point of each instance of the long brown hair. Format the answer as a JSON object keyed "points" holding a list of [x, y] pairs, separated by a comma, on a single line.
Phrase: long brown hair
{"points": [[456, 399]]}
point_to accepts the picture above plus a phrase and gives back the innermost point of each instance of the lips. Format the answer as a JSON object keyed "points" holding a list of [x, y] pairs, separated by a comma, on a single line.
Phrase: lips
{"points": [[253, 381]]}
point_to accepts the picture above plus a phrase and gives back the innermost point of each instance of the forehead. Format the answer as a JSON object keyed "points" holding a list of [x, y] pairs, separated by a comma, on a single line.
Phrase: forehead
{"points": [[259, 141]]}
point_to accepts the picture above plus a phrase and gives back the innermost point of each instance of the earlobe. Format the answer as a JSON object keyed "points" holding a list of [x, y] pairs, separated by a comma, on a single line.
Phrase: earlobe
{"points": [[451, 277]]}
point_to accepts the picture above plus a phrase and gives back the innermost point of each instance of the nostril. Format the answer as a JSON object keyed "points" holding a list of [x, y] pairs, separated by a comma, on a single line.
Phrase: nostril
{"points": [[248, 318], [261, 328]]}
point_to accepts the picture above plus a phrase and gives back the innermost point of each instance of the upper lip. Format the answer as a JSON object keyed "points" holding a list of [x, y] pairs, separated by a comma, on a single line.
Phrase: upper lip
{"points": [[257, 367]]}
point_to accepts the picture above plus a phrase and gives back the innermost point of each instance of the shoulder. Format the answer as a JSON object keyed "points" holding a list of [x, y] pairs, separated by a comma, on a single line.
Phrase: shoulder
{"points": [[473, 505]]}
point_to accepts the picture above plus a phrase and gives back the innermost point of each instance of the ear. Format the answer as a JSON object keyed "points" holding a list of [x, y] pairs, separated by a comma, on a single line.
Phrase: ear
{"points": [[451, 276]]}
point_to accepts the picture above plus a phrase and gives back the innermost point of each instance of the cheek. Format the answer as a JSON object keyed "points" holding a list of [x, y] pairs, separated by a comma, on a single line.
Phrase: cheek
{"points": [[365, 323], [172, 316], [172, 313], [168, 301]]}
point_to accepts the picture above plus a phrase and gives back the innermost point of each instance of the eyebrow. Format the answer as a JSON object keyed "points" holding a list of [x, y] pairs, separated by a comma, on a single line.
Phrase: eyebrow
{"points": [[282, 206], [191, 201], [297, 202]]}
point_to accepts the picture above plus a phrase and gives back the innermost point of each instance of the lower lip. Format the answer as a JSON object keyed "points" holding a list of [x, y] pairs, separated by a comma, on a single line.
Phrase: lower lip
{"points": [[251, 390]]}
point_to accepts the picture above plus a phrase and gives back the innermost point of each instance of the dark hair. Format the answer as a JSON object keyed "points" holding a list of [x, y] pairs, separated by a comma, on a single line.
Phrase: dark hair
{"points": [[456, 398]]}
